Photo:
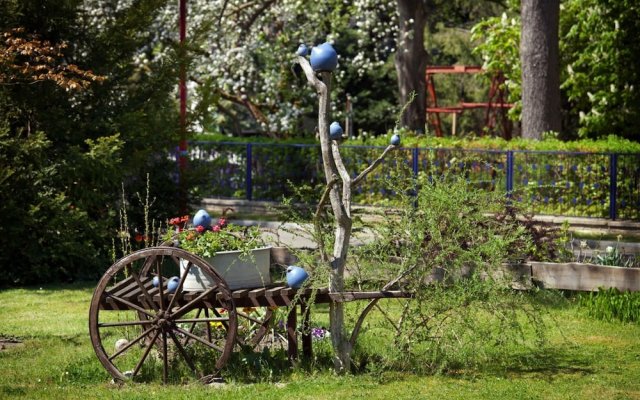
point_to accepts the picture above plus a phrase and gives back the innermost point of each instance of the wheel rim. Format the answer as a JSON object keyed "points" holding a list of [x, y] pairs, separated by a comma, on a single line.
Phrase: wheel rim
{"points": [[143, 332]]}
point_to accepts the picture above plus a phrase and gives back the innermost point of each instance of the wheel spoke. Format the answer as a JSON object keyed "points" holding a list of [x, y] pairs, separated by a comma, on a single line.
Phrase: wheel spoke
{"points": [[206, 314], [144, 290], [147, 264], [186, 357], [134, 341], [128, 304], [226, 326], [146, 353], [196, 320], [199, 339], [124, 323], [165, 361], [250, 318], [178, 292], [160, 284], [193, 325], [190, 305]]}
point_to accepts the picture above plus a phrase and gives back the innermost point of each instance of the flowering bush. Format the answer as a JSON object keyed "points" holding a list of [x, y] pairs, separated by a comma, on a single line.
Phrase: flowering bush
{"points": [[206, 238]]}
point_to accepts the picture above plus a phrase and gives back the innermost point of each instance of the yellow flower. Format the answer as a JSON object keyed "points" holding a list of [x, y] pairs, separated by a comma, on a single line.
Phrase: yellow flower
{"points": [[216, 324]]}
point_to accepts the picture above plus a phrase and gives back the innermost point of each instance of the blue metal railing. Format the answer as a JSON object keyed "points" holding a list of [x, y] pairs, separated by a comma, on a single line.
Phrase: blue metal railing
{"points": [[549, 182]]}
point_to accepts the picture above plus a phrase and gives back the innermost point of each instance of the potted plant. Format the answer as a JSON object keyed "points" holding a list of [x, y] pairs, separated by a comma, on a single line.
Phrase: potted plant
{"points": [[236, 252]]}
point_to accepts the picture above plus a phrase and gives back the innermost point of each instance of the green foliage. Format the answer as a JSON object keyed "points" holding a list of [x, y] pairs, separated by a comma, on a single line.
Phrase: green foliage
{"points": [[67, 152], [612, 305], [599, 50], [44, 236], [598, 65], [606, 144], [445, 250], [498, 41], [612, 256], [228, 238]]}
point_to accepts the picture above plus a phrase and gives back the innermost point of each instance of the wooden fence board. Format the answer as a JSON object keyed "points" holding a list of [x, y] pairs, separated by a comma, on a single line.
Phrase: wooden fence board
{"points": [[584, 277]]}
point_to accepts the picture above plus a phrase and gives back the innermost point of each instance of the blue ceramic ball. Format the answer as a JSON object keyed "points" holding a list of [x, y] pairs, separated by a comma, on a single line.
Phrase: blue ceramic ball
{"points": [[303, 50], [395, 139], [324, 58], [172, 284], [203, 218], [156, 281], [335, 131], [296, 276]]}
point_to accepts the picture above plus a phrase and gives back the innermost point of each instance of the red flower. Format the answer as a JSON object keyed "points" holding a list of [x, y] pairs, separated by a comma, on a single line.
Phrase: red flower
{"points": [[216, 228], [184, 218], [139, 238], [200, 228], [174, 221], [222, 222]]}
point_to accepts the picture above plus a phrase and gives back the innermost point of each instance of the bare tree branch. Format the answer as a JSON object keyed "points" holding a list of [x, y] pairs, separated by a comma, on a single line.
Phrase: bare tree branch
{"points": [[346, 180], [253, 109], [316, 219], [356, 329], [373, 165]]}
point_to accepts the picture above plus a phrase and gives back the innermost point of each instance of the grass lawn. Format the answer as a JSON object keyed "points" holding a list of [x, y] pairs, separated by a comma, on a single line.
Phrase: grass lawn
{"points": [[586, 359]]}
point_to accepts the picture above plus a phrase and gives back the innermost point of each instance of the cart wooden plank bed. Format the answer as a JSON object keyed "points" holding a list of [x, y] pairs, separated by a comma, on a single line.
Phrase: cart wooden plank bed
{"points": [[143, 331]]}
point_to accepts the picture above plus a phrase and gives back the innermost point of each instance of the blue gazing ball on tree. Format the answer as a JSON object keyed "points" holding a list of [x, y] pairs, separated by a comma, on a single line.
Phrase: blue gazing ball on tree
{"points": [[395, 139], [335, 131], [303, 50], [324, 58]]}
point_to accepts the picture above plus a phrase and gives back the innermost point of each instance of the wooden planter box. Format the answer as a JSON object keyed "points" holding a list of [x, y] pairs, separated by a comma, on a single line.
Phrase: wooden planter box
{"points": [[239, 272], [584, 277]]}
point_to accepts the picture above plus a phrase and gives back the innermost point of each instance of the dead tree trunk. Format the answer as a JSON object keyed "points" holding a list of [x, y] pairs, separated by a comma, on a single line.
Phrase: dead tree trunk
{"points": [[339, 196]]}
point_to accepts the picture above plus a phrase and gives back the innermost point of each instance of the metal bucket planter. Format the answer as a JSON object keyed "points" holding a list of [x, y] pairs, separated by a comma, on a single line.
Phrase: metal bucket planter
{"points": [[239, 271]]}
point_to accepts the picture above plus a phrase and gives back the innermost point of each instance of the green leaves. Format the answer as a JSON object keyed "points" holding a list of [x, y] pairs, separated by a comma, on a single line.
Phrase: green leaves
{"points": [[598, 49], [612, 305]]}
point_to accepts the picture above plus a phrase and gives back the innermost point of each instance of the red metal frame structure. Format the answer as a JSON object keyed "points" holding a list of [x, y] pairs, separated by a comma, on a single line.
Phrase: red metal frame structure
{"points": [[496, 108], [182, 89]]}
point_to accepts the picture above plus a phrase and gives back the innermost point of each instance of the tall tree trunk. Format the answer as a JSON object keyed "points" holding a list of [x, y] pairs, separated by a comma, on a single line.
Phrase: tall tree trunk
{"points": [[540, 67], [411, 62]]}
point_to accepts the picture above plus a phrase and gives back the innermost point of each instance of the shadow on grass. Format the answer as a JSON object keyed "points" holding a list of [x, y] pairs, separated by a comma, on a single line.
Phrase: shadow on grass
{"points": [[546, 363]]}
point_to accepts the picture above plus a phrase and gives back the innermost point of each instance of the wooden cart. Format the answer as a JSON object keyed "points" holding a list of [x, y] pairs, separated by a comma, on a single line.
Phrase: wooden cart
{"points": [[143, 331]]}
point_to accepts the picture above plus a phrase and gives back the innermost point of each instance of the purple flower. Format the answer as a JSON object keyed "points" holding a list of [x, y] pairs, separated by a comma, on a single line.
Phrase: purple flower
{"points": [[318, 333]]}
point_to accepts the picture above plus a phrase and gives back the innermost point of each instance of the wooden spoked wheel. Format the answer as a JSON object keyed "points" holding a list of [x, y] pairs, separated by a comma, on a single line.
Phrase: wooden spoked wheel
{"points": [[143, 331]]}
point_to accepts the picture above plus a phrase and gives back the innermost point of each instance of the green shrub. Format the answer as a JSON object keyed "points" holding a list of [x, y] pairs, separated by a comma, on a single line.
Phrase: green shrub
{"points": [[612, 305], [469, 315]]}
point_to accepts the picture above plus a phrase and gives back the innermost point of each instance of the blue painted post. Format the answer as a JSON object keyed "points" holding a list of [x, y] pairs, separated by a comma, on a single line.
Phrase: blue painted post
{"points": [[613, 186], [509, 173], [248, 182], [415, 155]]}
